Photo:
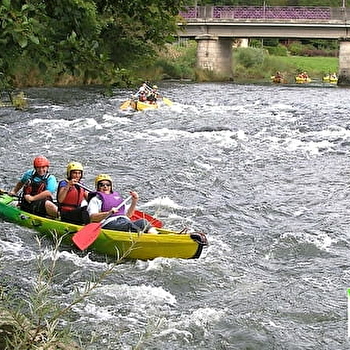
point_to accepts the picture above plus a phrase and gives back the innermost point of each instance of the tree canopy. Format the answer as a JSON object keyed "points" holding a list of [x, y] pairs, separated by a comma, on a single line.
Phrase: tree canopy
{"points": [[90, 38]]}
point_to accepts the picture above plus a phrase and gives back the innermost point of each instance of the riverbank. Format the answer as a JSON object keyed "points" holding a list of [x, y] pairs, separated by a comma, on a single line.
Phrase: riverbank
{"points": [[248, 64], [179, 62], [253, 64]]}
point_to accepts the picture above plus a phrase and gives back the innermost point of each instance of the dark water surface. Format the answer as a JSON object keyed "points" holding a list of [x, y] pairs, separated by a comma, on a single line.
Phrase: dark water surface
{"points": [[263, 170]]}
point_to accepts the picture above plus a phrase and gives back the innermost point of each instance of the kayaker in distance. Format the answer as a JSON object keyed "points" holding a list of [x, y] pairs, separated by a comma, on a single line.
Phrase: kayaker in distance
{"points": [[153, 94], [72, 198], [148, 94], [103, 206], [38, 189]]}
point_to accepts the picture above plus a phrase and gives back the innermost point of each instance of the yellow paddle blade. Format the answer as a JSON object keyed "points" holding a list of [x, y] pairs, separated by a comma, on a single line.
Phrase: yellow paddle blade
{"points": [[167, 101], [125, 104]]}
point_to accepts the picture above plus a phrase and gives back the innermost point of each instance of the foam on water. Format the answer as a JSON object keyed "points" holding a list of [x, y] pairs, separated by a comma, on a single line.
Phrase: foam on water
{"points": [[262, 169]]}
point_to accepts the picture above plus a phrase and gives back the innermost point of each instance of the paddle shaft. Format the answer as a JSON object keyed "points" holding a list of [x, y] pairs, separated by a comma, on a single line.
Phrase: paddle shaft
{"points": [[10, 194]]}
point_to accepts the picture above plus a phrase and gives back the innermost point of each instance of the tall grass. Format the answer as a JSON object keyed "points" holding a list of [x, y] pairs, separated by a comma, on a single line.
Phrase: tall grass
{"points": [[36, 320]]}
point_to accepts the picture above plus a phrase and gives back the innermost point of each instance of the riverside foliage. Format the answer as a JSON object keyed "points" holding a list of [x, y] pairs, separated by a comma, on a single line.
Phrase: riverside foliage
{"points": [[81, 41]]}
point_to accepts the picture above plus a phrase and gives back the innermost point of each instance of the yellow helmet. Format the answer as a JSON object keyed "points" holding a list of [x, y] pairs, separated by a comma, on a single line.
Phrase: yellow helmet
{"points": [[102, 177], [155, 87], [74, 166]]}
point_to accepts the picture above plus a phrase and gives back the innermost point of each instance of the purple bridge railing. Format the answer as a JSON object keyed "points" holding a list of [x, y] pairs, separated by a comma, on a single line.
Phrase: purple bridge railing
{"points": [[257, 12]]}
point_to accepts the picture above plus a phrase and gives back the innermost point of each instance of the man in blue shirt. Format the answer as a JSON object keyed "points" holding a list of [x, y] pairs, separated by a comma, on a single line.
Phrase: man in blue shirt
{"points": [[38, 189]]}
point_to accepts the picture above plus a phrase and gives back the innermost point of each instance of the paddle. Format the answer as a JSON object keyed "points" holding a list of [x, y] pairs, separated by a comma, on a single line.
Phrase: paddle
{"points": [[89, 233], [141, 215], [167, 101], [137, 213], [10, 194], [125, 105]]}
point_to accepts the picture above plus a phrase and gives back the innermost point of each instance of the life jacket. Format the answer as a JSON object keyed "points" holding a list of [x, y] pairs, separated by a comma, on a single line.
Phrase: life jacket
{"points": [[74, 197], [34, 187], [152, 97], [111, 200]]}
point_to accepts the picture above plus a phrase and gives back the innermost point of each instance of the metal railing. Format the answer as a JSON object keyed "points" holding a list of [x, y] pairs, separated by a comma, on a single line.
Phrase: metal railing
{"points": [[264, 12]]}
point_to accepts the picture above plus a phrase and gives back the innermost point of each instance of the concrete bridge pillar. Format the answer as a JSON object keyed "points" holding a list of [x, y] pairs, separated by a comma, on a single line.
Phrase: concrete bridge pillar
{"points": [[344, 63], [215, 54]]}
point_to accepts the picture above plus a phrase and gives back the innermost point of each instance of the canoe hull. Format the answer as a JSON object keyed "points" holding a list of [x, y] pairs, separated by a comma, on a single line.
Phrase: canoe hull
{"points": [[141, 106], [330, 80], [300, 80], [116, 244]]}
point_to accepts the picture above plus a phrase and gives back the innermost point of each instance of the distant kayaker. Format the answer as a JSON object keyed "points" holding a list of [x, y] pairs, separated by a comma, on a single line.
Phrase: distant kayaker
{"points": [[142, 93], [103, 205], [72, 198], [153, 94], [38, 189]]}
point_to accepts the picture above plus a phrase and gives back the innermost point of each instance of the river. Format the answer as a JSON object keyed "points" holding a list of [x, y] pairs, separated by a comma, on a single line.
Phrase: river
{"points": [[262, 169]]}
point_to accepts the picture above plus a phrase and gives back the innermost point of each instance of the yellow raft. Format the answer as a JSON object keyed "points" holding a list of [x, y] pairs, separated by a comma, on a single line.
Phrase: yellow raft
{"points": [[301, 80], [330, 79]]}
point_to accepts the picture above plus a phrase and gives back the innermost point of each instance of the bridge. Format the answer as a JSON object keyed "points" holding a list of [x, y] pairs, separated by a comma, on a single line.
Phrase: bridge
{"points": [[216, 27]]}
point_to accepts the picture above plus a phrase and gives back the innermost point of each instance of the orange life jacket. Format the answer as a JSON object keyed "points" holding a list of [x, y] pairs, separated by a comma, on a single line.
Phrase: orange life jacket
{"points": [[73, 199]]}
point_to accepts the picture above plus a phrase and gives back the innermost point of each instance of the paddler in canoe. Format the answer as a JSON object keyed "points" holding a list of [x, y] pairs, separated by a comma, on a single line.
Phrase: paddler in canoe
{"points": [[72, 197], [278, 78], [107, 210], [38, 189], [147, 97], [104, 204]]}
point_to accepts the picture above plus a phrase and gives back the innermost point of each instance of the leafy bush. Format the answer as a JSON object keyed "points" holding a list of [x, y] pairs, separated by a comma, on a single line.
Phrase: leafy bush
{"points": [[179, 60], [279, 50], [295, 48], [249, 56]]}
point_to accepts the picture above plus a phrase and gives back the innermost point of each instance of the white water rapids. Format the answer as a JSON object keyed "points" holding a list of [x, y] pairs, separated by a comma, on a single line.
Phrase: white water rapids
{"points": [[262, 169]]}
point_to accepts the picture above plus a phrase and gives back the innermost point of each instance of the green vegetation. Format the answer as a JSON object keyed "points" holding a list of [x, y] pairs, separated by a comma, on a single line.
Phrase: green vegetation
{"points": [[249, 65], [36, 320], [81, 41], [316, 66]]}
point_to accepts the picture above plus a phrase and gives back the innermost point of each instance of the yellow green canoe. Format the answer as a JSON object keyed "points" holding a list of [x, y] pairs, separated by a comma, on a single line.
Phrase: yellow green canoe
{"points": [[167, 243]]}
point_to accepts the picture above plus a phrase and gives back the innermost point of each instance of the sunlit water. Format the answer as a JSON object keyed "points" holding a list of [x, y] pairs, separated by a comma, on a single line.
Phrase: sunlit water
{"points": [[262, 169]]}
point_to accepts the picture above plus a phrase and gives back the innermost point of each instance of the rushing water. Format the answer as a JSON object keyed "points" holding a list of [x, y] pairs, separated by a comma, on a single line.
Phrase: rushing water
{"points": [[262, 169]]}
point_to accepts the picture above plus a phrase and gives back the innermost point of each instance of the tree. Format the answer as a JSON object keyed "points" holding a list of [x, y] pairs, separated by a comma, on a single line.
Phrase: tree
{"points": [[88, 38]]}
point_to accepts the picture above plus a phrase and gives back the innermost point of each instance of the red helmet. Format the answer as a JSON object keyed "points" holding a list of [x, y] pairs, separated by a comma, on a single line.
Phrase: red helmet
{"points": [[41, 161]]}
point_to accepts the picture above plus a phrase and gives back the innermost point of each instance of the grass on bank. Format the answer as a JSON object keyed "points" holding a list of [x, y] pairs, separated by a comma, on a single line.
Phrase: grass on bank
{"points": [[255, 64], [316, 66]]}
